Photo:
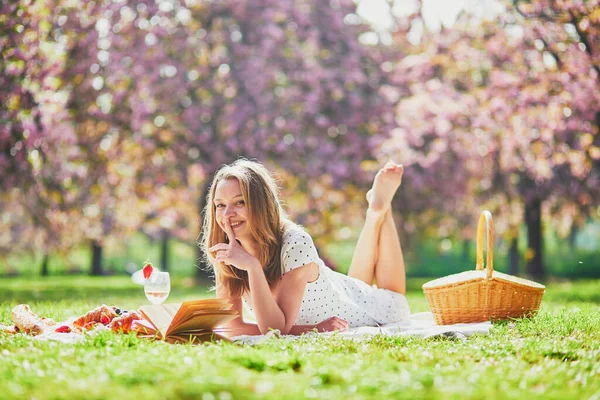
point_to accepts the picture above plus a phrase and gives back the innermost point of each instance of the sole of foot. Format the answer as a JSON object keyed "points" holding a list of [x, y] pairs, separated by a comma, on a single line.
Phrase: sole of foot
{"points": [[386, 183]]}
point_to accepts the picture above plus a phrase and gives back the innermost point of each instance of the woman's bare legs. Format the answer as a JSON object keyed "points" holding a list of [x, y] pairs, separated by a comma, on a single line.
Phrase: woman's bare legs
{"points": [[365, 254], [389, 270], [378, 254]]}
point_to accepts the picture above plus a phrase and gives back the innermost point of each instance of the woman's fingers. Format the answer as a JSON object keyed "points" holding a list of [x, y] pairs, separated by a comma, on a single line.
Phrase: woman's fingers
{"points": [[336, 324], [222, 254], [219, 246], [229, 231], [341, 324], [224, 260], [230, 235]]}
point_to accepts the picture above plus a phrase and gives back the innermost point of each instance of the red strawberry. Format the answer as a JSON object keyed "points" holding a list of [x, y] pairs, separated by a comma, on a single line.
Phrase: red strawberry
{"points": [[105, 320], [147, 271], [63, 329]]}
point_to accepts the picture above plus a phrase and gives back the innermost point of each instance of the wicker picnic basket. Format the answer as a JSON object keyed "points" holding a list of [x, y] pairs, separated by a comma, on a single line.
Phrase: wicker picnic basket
{"points": [[483, 294]]}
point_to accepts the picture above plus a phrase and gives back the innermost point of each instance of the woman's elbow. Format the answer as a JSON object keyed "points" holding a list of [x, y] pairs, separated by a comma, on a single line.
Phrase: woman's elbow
{"points": [[286, 330], [266, 329], [263, 330], [282, 328]]}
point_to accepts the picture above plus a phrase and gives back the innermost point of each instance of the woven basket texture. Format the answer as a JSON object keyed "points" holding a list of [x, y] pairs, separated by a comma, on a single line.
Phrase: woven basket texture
{"points": [[483, 294]]}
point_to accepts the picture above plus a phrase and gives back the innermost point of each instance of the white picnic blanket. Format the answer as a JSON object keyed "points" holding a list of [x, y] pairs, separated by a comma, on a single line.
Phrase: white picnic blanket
{"points": [[420, 325], [71, 337]]}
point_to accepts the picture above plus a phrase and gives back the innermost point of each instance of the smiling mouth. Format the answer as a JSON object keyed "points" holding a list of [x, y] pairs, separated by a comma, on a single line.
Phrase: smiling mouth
{"points": [[236, 224]]}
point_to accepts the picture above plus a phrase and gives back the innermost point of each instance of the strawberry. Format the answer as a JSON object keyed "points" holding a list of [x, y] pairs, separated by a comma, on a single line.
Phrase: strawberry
{"points": [[105, 320], [147, 271], [63, 329]]}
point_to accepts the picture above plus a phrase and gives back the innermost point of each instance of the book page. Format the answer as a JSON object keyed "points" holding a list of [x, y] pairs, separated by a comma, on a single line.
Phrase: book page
{"points": [[207, 304], [161, 315], [188, 307], [204, 321], [145, 328], [183, 314], [191, 316], [197, 313]]}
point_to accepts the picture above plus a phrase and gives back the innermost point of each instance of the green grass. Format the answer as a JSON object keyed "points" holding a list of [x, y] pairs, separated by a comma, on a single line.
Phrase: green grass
{"points": [[553, 355]]}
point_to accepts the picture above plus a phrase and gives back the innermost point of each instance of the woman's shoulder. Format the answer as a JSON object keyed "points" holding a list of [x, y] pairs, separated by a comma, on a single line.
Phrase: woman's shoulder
{"points": [[294, 233], [297, 248]]}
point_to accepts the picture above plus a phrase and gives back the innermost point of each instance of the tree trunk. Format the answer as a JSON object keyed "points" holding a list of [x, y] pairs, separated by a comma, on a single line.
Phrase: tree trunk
{"points": [[202, 276], [533, 219], [45, 260], [572, 237], [513, 257], [164, 250], [96, 259]]}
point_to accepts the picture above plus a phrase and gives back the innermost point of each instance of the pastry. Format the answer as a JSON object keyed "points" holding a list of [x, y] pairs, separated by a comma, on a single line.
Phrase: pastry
{"points": [[103, 314], [124, 322], [12, 329], [28, 322]]}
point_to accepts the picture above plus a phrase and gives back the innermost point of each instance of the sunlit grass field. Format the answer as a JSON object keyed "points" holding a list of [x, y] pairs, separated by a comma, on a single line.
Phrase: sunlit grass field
{"points": [[554, 355]]}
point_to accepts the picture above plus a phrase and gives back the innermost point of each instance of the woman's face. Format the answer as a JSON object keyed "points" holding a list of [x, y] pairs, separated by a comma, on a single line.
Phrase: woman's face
{"points": [[230, 205]]}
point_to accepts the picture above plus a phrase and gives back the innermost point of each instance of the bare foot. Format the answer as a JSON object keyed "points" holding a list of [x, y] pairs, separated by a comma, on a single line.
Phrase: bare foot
{"points": [[385, 184]]}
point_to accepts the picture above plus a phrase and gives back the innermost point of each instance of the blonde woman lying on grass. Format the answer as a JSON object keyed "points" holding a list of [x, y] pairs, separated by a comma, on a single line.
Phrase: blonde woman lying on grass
{"points": [[273, 266]]}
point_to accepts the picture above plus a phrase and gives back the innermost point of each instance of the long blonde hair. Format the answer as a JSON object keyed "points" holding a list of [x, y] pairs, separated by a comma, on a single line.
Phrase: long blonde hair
{"points": [[267, 221]]}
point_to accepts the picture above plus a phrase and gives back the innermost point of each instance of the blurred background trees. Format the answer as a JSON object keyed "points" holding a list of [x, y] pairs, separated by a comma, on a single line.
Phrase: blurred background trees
{"points": [[115, 115]]}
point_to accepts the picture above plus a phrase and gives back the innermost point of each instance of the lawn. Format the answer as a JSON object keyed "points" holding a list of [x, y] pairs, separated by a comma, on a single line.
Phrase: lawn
{"points": [[553, 355]]}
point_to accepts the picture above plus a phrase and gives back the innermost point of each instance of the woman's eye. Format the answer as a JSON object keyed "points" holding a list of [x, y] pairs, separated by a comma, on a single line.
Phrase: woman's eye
{"points": [[241, 202], [220, 205]]}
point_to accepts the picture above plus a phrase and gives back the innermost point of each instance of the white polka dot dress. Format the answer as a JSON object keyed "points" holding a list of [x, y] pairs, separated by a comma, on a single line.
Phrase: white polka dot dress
{"points": [[336, 294]]}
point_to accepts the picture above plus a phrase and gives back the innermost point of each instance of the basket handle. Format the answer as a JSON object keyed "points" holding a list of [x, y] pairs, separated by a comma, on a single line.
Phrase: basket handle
{"points": [[485, 219]]}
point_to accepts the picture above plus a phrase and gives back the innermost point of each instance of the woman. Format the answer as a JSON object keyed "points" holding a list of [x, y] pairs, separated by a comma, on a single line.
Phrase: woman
{"points": [[263, 259]]}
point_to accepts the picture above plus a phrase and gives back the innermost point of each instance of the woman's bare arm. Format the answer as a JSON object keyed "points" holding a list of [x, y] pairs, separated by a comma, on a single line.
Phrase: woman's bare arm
{"points": [[298, 330], [270, 313], [287, 292], [278, 312], [334, 323], [237, 326]]}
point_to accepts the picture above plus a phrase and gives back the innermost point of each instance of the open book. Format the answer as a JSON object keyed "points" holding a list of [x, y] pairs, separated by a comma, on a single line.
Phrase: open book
{"points": [[191, 321]]}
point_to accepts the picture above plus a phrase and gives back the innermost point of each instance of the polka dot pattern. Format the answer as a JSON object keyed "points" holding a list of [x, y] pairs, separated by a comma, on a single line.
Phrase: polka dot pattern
{"points": [[335, 294], [298, 249]]}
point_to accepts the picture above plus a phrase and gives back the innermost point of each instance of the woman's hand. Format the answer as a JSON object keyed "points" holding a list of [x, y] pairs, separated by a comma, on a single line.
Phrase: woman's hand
{"points": [[332, 324], [233, 253]]}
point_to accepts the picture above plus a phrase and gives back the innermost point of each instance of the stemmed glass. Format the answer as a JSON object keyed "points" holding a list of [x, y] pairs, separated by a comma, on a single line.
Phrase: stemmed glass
{"points": [[157, 287]]}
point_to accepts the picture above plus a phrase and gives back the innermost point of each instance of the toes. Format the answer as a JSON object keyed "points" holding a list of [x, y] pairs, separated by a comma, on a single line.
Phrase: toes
{"points": [[393, 168]]}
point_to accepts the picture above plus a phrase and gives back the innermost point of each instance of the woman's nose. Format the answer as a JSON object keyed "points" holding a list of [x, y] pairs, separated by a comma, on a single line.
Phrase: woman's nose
{"points": [[229, 211]]}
